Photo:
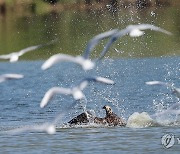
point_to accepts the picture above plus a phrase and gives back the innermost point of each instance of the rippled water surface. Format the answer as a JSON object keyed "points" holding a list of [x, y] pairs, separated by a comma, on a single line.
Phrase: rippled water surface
{"points": [[19, 106]]}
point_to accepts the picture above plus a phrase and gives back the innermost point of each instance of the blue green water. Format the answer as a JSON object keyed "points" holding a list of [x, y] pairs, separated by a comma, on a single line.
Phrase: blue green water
{"points": [[20, 99]]}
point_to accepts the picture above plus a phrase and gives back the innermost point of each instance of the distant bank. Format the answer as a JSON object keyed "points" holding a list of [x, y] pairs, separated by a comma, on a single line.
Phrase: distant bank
{"points": [[60, 5]]}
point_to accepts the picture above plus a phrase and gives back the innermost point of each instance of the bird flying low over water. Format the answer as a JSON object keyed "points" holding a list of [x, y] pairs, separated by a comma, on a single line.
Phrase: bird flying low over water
{"points": [[47, 127], [76, 92], [14, 56], [133, 31], [5, 77], [95, 40], [84, 60], [174, 89], [86, 64]]}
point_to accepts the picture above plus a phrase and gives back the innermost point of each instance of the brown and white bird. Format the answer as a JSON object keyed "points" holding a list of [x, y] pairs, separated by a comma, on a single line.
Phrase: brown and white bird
{"points": [[83, 118], [111, 118]]}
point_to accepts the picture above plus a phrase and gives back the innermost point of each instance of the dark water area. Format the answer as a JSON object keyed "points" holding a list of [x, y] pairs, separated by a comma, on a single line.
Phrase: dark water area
{"points": [[153, 56]]}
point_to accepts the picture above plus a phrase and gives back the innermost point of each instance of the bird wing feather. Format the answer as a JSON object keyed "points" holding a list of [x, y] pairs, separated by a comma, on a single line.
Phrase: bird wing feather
{"points": [[51, 92], [57, 59], [95, 40]]}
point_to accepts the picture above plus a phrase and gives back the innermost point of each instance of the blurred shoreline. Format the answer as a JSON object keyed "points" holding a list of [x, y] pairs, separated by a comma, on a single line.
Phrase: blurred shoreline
{"points": [[40, 7]]}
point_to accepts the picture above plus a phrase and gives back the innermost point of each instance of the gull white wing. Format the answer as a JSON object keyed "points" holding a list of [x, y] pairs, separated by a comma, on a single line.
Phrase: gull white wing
{"points": [[174, 89], [132, 30], [59, 58], [111, 41], [8, 56], [49, 128], [95, 40], [51, 92], [23, 51], [100, 79], [156, 83], [84, 83], [161, 83], [148, 26], [104, 80], [5, 77]]}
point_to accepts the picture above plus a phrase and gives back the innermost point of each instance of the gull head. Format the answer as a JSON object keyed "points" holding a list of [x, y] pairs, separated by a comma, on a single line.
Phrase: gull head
{"points": [[14, 58], [77, 94], [88, 64], [51, 129], [136, 32]]}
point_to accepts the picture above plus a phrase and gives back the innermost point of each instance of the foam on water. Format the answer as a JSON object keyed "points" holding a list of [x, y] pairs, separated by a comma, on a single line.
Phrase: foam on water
{"points": [[140, 120], [165, 118]]}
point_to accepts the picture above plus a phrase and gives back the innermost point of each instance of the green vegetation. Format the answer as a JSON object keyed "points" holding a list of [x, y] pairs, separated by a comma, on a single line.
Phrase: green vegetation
{"points": [[74, 29], [20, 28]]}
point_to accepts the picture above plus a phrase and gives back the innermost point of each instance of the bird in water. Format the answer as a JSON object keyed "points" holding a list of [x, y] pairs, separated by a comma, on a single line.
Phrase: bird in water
{"points": [[83, 118], [111, 119]]}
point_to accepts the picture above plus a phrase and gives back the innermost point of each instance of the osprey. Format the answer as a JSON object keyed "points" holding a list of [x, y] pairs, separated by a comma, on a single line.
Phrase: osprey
{"points": [[83, 118], [110, 119]]}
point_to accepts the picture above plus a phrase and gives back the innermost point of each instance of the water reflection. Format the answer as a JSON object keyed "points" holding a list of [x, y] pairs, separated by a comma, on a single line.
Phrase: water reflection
{"points": [[75, 28]]}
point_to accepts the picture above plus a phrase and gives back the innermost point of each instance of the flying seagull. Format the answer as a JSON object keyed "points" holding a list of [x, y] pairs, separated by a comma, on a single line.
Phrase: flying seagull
{"points": [[5, 77], [174, 89], [84, 60], [86, 64], [47, 127], [95, 40], [133, 31], [76, 92], [14, 56]]}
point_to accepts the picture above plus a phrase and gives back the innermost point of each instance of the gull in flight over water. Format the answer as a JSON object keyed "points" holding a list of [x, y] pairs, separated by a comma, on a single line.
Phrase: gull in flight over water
{"points": [[86, 64], [84, 60], [133, 31], [47, 127], [76, 92], [14, 56], [174, 89], [5, 77]]}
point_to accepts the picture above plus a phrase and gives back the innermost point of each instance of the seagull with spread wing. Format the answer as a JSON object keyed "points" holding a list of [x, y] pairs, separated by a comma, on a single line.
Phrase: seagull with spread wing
{"points": [[132, 31], [76, 92], [14, 56], [84, 60], [47, 127], [174, 89], [5, 77]]}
